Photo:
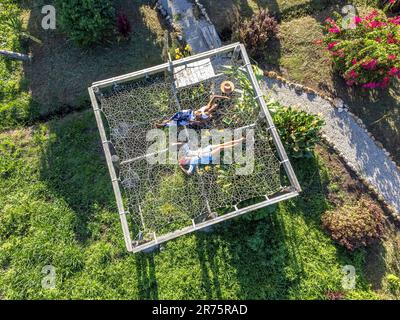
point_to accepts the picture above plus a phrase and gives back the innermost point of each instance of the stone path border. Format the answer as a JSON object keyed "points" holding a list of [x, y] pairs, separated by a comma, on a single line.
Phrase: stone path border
{"points": [[349, 138]]}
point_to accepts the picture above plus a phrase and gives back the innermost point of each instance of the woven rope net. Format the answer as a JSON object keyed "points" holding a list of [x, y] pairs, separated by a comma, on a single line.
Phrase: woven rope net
{"points": [[160, 197]]}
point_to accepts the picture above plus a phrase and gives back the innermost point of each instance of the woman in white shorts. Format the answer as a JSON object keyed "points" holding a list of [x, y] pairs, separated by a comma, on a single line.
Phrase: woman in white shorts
{"points": [[192, 158]]}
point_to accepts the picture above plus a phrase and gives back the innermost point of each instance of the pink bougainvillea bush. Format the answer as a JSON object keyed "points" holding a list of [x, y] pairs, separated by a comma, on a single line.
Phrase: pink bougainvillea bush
{"points": [[365, 50], [391, 5]]}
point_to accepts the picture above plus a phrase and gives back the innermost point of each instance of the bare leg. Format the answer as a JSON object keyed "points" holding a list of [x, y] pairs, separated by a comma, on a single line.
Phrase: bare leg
{"points": [[230, 143]]}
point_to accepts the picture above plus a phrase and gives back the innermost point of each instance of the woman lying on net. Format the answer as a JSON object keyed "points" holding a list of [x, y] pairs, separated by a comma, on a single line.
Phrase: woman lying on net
{"points": [[191, 158], [191, 117]]}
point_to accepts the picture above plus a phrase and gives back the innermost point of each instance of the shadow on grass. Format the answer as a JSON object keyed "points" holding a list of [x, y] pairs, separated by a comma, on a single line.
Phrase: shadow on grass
{"points": [[280, 255], [60, 72], [261, 248], [146, 276]]}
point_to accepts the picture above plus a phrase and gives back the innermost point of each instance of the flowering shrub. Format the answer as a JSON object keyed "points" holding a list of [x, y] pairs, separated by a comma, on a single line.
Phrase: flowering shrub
{"points": [[183, 52], [367, 53]]}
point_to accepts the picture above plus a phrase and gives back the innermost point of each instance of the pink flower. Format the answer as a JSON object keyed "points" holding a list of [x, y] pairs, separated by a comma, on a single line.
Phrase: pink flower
{"points": [[352, 74], [330, 20], [394, 71], [370, 65], [334, 30], [384, 83], [376, 24], [354, 61], [391, 39], [372, 15], [331, 45], [357, 20], [370, 85], [392, 57], [395, 20]]}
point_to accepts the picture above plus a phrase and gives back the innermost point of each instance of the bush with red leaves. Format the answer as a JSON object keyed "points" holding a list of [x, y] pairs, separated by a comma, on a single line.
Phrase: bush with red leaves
{"points": [[256, 32], [355, 226], [123, 25]]}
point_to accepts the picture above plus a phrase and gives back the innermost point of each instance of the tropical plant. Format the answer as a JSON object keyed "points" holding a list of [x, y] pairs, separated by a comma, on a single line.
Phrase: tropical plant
{"points": [[298, 130], [365, 51], [123, 25], [256, 32], [86, 22], [354, 226]]}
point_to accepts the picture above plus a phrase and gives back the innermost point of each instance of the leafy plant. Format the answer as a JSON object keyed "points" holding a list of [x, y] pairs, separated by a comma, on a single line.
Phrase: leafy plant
{"points": [[183, 52], [123, 25], [298, 130], [256, 32], [246, 106], [394, 283], [86, 22], [354, 226], [366, 50]]}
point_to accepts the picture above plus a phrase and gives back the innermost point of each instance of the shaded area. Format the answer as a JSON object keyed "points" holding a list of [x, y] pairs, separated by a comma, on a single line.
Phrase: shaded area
{"points": [[61, 72]]}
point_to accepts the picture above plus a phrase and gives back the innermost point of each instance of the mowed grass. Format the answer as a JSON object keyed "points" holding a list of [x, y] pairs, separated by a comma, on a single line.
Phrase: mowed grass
{"points": [[57, 208]]}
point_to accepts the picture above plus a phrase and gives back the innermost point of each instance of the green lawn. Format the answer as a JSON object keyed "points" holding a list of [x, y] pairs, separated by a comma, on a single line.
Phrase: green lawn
{"points": [[59, 210]]}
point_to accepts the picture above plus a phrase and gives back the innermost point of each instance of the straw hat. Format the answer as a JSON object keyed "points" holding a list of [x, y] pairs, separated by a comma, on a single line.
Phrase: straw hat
{"points": [[227, 87]]}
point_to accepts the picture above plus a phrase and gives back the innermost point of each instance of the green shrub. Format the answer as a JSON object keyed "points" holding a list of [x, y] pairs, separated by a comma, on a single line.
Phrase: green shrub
{"points": [[298, 130], [256, 32], [365, 50], [86, 22], [394, 283], [355, 226]]}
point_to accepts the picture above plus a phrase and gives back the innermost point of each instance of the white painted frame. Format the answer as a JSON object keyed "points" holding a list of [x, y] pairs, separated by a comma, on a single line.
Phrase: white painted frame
{"points": [[237, 49]]}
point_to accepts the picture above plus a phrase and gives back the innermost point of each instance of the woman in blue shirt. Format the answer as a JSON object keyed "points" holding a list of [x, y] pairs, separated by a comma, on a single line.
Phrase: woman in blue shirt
{"points": [[191, 117]]}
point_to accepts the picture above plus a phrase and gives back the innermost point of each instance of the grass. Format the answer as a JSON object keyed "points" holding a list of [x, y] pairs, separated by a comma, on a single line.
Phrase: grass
{"points": [[59, 210], [15, 101], [56, 81]]}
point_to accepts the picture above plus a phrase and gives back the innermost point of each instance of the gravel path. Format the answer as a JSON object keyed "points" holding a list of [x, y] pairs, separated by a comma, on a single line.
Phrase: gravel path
{"points": [[348, 137]]}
